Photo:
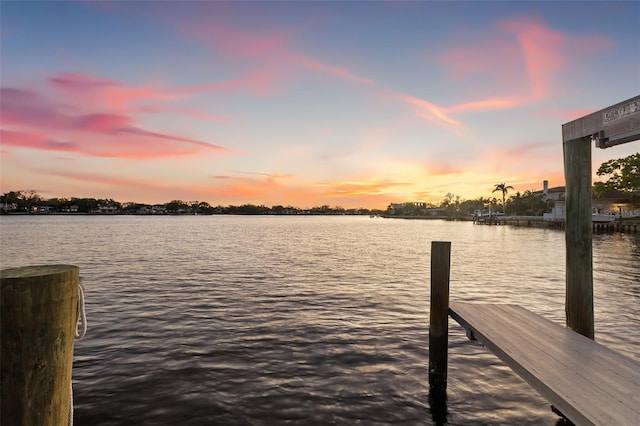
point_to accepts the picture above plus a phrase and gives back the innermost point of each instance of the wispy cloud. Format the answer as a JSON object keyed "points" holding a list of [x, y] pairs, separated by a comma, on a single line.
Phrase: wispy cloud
{"points": [[442, 168], [275, 188], [518, 154], [484, 105], [521, 54], [563, 114], [432, 112], [103, 93], [340, 72], [530, 162], [359, 188], [34, 141], [444, 116], [542, 51], [267, 50], [91, 116], [519, 63]]}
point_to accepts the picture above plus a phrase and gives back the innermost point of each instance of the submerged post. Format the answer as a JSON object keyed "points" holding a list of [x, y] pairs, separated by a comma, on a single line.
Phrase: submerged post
{"points": [[38, 321], [438, 316], [578, 236]]}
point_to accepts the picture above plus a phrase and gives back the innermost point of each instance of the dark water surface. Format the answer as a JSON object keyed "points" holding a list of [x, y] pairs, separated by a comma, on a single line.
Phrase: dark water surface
{"points": [[227, 320]]}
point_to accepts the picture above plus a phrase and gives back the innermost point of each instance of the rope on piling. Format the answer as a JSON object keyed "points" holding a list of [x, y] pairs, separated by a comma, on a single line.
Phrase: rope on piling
{"points": [[82, 315], [82, 318]]}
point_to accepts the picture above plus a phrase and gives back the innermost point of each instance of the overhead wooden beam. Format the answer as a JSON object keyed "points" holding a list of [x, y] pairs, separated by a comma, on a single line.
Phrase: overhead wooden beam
{"points": [[614, 125]]}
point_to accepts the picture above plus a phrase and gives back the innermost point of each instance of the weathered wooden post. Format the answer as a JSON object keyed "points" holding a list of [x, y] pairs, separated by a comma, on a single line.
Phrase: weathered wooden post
{"points": [[439, 314], [615, 125], [578, 236], [38, 322]]}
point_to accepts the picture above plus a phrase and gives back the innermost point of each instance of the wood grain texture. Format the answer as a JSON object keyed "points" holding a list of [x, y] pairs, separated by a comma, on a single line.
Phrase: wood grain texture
{"points": [[579, 236], [38, 320], [589, 383], [439, 315]]}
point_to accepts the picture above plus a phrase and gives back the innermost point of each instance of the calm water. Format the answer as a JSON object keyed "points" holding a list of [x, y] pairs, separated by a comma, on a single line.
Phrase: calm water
{"points": [[304, 320]]}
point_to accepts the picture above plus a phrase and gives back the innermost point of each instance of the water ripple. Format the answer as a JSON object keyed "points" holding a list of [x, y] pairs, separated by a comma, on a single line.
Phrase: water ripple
{"points": [[304, 320]]}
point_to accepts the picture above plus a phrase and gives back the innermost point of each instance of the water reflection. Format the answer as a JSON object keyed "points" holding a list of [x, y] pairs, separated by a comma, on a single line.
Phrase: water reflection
{"points": [[438, 406], [310, 320]]}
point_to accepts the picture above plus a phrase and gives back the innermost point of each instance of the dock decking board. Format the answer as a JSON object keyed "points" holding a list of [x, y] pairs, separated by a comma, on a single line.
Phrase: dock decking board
{"points": [[589, 383]]}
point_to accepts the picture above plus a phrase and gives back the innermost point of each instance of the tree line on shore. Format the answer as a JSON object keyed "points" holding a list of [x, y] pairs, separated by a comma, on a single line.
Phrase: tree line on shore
{"points": [[622, 175], [451, 206], [32, 202]]}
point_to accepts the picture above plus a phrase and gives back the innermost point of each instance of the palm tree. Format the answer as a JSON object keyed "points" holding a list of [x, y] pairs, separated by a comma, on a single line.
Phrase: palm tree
{"points": [[504, 188]]}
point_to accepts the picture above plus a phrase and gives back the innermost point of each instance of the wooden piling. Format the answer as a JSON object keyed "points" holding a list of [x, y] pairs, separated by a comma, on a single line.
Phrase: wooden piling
{"points": [[38, 320], [579, 236], [438, 316]]}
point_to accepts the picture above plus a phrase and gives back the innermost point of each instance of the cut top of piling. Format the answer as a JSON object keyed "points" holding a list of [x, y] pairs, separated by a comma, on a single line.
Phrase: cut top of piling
{"points": [[40, 284], [35, 271]]}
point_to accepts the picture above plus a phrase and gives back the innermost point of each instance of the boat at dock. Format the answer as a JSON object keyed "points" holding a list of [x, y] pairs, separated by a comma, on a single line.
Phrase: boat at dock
{"points": [[597, 215], [602, 218]]}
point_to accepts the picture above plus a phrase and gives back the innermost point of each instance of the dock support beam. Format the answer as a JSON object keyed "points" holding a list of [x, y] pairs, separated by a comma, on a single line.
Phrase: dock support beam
{"points": [[39, 312], [439, 314], [578, 236]]}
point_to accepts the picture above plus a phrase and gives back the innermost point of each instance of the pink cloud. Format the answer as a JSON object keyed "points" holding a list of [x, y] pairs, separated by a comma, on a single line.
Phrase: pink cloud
{"points": [[192, 112], [521, 152], [239, 188], [484, 105], [335, 71], [122, 147], [564, 115], [102, 179], [121, 187], [431, 112], [74, 126], [273, 189], [257, 82], [542, 49], [529, 162], [103, 123], [34, 141], [486, 57], [357, 189], [252, 186], [527, 48], [109, 94], [141, 132], [536, 51], [267, 49], [441, 169], [239, 43], [104, 93], [443, 116], [23, 107]]}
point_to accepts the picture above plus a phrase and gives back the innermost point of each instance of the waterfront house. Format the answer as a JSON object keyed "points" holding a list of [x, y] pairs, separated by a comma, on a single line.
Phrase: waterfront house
{"points": [[550, 194], [8, 207], [158, 209], [616, 203], [107, 209]]}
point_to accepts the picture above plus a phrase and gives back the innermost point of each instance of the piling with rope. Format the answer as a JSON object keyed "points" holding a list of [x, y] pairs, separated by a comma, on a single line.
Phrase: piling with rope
{"points": [[39, 315]]}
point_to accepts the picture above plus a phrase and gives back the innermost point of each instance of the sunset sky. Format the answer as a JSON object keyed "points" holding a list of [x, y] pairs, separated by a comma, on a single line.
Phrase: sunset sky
{"points": [[352, 104]]}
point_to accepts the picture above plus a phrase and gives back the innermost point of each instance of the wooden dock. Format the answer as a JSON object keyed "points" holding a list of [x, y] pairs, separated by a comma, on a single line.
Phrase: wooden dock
{"points": [[588, 383], [585, 382]]}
